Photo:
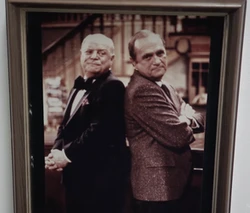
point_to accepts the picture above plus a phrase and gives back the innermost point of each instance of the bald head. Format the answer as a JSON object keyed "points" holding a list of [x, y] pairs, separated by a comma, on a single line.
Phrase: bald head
{"points": [[148, 55], [140, 35]]}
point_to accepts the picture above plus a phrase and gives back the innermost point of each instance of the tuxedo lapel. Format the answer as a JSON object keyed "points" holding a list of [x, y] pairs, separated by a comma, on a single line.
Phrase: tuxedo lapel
{"points": [[68, 106], [83, 100], [78, 105]]}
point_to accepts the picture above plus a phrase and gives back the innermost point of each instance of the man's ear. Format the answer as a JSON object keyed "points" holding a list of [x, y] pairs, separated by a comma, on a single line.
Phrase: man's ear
{"points": [[132, 61]]}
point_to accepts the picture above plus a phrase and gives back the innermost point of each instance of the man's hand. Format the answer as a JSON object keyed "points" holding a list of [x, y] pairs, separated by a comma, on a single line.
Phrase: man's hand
{"points": [[49, 163], [187, 113], [55, 160], [183, 118], [187, 110], [59, 158]]}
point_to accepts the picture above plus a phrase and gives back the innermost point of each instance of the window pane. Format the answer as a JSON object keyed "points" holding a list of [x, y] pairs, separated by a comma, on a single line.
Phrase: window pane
{"points": [[204, 66], [195, 66], [195, 81]]}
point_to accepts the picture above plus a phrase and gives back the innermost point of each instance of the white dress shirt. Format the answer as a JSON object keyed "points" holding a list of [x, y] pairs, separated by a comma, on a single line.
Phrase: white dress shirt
{"points": [[77, 99]]}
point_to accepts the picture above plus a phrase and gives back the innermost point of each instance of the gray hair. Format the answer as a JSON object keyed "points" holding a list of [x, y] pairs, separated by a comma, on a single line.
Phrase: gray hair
{"points": [[100, 38]]}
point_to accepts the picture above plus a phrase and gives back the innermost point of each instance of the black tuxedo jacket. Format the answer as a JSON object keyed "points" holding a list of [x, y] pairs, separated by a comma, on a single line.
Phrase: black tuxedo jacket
{"points": [[93, 137]]}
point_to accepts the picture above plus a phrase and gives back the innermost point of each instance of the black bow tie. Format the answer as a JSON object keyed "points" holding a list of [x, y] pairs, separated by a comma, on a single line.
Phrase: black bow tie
{"points": [[81, 83]]}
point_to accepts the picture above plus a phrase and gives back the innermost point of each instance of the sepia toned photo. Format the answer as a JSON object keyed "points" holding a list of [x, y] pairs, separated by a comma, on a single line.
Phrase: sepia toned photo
{"points": [[158, 155], [125, 108]]}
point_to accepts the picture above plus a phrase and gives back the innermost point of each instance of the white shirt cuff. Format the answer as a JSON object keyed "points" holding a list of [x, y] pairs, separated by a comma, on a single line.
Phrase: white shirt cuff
{"points": [[66, 156], [194, 124]]}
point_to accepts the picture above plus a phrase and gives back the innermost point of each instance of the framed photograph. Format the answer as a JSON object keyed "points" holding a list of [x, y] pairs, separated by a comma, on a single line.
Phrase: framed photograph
{"points": [[203, 42]]}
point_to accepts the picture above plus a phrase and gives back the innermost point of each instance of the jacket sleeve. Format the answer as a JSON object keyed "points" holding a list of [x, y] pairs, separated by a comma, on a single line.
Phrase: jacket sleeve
{"points": [[59, 141], [159, 119], [58, 144], [198, 117]]}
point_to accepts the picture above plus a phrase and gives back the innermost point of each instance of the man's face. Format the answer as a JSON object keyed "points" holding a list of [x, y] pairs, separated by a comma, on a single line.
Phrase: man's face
{"points": [[96, 58], [151, 58]]}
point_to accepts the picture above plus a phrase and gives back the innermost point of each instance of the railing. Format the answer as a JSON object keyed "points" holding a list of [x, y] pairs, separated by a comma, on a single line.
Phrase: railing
{"points": [[60, 51], [117, 26], [54, 19]]}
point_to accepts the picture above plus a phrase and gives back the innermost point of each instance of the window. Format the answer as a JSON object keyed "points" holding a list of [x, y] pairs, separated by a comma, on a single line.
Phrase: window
{"points": [[198, 78]]}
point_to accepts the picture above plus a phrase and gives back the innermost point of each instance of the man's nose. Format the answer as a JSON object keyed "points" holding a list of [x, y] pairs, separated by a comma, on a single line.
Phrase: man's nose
{"points": [[157, 60], [94, 54]]}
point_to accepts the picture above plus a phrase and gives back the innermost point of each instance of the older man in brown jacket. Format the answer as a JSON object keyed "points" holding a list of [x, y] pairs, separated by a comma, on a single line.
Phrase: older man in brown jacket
{"points": [[160, 128]]}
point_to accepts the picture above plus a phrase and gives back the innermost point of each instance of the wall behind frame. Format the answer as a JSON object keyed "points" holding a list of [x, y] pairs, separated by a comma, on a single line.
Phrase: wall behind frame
{"points": [[240, 201], [241, 179], [6, 187]]}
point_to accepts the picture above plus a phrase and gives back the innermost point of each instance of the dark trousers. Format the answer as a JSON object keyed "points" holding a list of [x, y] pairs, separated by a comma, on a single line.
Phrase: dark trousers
{"points": [[156, 206], [111, 202], [100, 196]]}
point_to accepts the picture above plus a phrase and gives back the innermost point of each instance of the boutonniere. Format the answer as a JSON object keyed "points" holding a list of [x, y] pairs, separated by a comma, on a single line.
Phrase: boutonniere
{"points": [[85, 101]]}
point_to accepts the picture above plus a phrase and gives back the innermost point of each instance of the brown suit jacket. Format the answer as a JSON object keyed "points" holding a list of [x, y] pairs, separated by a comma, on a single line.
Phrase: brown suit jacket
{"points": [[159, 142]]}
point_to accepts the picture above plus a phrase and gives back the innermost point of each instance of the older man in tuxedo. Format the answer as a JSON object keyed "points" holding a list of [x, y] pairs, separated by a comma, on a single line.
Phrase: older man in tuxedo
{"points": [[160, 128], [90, 147]]}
